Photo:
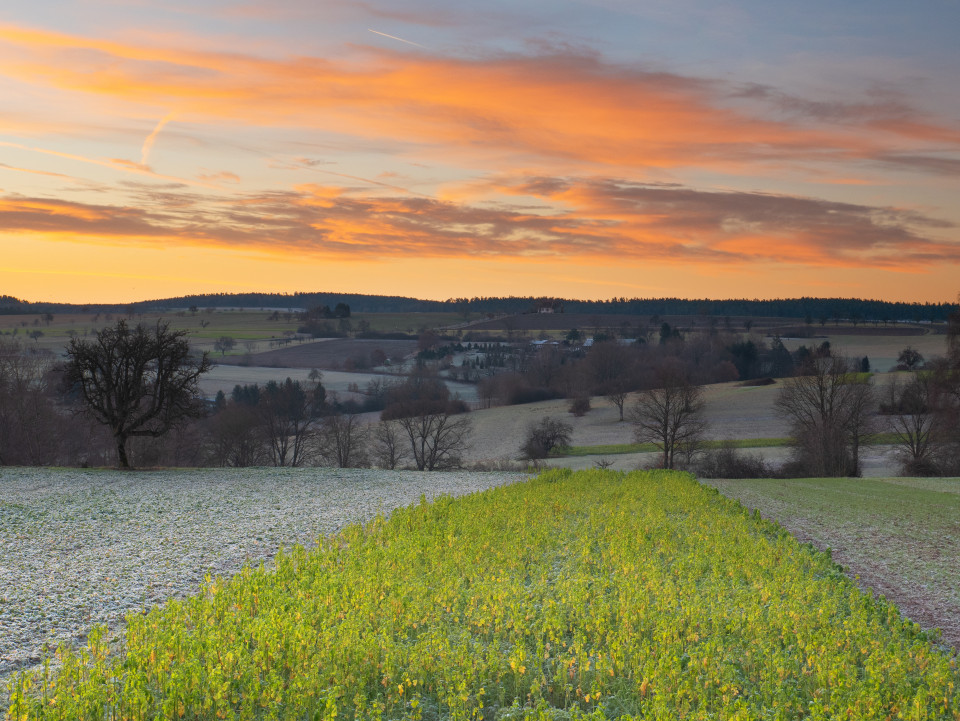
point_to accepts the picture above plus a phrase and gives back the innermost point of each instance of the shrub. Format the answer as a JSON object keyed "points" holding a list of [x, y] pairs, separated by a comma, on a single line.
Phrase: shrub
{"points": [[728, 462], [758, 382], [580, 406], [543, 437]]}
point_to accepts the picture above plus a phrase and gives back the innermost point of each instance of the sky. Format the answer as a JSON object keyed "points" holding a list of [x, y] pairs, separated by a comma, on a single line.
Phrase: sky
{"points": [[579, 149]]}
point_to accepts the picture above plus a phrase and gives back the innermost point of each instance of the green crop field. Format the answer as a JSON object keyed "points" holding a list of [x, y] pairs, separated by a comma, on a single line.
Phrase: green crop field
{"points": [[574, 595]]}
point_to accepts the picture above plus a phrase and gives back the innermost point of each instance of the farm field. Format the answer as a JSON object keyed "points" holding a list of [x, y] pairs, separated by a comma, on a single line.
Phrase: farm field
{"points": [[881, 349], [328, 353], [81, 547], [225, 377], [732, 412], [901, 536], [646, 595], [253, 329]]}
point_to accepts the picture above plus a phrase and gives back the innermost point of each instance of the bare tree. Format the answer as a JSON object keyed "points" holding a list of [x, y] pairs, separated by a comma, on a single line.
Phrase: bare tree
{"points": [[828, 411], [224, 344], [389, 444], [342, 440], [945, 401], [953, 337], [913, 422], [909, 359], [438, 440], [30, 426], [138, 382], [236, 437], [286, 409], [671, 415], [617, 394]]}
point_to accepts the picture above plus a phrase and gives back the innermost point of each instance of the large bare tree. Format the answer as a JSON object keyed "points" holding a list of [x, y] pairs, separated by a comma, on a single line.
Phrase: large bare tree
{"points": [[671, 415], [438, 439], [136, 381], [829, 414]]}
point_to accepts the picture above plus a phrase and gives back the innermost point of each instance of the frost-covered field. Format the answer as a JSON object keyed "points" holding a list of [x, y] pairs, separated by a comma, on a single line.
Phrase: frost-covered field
{"points": [[82, 547]]}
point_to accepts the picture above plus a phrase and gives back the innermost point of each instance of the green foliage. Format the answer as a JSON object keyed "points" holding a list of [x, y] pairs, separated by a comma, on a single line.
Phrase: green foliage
{"points": [[575, 595]]}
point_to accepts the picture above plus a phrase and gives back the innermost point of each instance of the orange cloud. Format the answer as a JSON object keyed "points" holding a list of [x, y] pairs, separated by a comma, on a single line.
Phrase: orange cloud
{"points": [[600, 220], [563, 107]]}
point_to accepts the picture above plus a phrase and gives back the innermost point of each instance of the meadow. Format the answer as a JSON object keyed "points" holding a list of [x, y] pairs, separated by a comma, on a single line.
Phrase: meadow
{"points": [[573, 595]]}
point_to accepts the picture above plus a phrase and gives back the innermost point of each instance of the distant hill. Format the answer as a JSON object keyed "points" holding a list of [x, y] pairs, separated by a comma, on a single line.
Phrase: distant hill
{"points": [[809, 309]]}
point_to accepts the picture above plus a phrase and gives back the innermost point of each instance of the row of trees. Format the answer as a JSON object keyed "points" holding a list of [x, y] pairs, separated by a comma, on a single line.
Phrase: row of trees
{"points": [[33, 429], [829, 402], [288, 424], [136, 388]]}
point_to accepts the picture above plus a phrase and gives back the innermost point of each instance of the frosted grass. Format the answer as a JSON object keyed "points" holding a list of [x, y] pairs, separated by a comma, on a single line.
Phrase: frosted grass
{"points": [[84, 547]]}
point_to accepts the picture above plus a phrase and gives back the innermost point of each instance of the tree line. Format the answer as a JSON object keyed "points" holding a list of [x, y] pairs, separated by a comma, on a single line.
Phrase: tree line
{"points": [[814, 309]]}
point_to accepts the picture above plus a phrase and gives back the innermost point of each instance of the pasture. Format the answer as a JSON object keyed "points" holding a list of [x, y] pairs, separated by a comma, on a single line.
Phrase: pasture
{"points": [[574, 595], [882, 348]]}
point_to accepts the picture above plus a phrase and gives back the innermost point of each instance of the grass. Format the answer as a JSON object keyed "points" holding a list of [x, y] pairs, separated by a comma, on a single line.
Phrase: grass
{"points": [[576, 595], [906, 529], [878, 439]]}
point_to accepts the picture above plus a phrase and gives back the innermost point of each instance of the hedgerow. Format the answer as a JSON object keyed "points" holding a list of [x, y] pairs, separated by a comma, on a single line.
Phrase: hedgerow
{"points": [[576, 595]]}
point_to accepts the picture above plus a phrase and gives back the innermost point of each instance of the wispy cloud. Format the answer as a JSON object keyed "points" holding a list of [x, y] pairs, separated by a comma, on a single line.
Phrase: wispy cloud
{"points": [[46, 173], [562, 106], [119, 164]]}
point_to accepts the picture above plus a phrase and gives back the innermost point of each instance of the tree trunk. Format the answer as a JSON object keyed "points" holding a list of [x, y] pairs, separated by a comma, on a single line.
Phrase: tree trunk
{"points": [[122, 461]]}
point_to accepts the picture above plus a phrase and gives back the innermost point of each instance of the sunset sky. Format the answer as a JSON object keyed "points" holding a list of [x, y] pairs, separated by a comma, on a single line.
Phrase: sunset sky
{"points": [[592, 149]]}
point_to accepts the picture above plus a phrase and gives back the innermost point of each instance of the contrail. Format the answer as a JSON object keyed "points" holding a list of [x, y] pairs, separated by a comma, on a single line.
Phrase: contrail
{"points": [[394, 37], [374, 182], [127, 166], [148, 143]]}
